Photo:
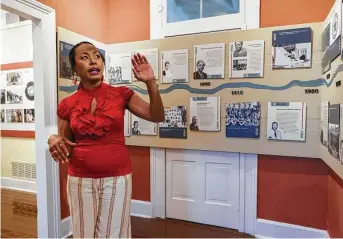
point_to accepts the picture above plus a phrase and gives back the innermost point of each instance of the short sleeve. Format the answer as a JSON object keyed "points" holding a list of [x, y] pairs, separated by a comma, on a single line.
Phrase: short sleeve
{"points": [[127, 93], [63, 110]]}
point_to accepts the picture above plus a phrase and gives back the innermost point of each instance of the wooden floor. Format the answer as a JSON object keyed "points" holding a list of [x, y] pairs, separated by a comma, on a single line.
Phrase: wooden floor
{"points": [[19, 220]]}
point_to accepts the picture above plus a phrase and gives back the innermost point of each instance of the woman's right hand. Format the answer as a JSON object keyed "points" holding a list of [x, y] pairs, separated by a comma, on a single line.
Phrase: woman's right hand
{"points": [[60, 148]]}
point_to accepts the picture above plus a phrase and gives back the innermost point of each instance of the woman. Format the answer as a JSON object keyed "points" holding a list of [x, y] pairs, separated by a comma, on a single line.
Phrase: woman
{"points": [[91, 138]]}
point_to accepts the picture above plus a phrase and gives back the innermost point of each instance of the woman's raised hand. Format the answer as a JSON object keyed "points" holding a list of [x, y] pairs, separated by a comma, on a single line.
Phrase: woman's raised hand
{"points": [[60, 148], [141, 68]]}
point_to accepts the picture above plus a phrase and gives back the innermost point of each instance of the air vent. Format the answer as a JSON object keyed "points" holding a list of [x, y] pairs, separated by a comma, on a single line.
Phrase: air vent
{"points": [[22, 170]]}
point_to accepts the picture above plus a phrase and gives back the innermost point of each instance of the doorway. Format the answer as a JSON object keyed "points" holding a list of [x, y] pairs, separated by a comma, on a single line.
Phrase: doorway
{"points": [[45, 91], [203, 187]]}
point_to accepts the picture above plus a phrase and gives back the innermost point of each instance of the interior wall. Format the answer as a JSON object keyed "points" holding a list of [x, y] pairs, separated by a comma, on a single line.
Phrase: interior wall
{"points": [[288, 12], [16, 52], [133, 17], [293, 190], [85, 17], [335, 205]]}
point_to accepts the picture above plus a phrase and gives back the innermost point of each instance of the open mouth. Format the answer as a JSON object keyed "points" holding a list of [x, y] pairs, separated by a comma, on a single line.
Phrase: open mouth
{"points": [[94, 71]]}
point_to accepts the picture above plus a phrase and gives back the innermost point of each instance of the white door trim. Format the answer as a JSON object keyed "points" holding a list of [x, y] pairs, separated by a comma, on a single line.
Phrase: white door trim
{"points": [[44, 63], [158, 181], [250, 193]]}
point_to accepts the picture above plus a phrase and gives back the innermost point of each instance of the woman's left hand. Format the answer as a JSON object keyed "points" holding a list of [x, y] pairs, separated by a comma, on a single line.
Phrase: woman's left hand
{"points": [[142, 69]]}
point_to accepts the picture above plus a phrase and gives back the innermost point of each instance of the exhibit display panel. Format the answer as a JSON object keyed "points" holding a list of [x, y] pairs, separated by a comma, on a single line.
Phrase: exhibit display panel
{"points": [[332, 95], [243, 101], [281, 85]]}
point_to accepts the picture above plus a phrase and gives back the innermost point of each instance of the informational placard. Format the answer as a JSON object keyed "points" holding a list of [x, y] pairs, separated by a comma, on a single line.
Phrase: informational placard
{"points": [[334, 130], [341, 135], [65, 67], [243, 119], [209, 61], [334, 20], [175, 123], [326, 55], [142, 127], [292, 48], [152, 57], [17, 99], [247, 59], [205, 114], [174, 65], [324, 122], [127, 129], [119, 69], [286, 121]]}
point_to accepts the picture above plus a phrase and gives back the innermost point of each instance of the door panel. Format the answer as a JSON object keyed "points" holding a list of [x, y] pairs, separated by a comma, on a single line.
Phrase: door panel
{"points": [[203, 187]]}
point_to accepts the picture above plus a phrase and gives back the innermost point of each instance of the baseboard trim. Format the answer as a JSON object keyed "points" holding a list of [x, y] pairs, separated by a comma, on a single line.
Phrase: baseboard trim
{"points": [[18, 184], [66, 227], [267, 228], [141, 209]]}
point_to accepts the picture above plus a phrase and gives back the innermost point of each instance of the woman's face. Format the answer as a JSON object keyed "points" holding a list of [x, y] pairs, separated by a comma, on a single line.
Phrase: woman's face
{"points": [[167, 65], [89, 64], [201, 66]]}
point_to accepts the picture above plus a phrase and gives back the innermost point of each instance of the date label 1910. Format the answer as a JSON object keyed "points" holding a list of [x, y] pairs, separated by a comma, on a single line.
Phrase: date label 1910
{"points": [[311, 91], [237, 92]]}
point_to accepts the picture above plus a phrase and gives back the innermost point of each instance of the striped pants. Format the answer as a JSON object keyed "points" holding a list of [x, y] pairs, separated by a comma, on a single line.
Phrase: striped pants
{"points": [[100, 208]]}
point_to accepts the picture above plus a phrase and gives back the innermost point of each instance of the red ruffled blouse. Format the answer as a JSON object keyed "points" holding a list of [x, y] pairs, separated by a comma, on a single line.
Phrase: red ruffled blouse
{"points": [[101, 150]]}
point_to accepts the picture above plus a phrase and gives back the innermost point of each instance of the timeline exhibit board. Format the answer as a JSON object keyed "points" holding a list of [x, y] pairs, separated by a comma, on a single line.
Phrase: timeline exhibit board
{"points": [[333, 95], [276, 85]]}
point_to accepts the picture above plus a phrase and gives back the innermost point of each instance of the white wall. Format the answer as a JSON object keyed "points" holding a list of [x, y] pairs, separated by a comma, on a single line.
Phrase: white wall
{"points": [[16, 41]]}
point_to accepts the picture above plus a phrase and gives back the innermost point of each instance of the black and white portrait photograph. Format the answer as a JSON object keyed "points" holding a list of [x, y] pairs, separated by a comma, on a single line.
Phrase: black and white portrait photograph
{"points": [[194, 124], [240, 51], [14, 96], [200, 70], [274, 131], [2, 116], [14, 116], [135, 128], [14, 78], [3, 97], [29, 115]]}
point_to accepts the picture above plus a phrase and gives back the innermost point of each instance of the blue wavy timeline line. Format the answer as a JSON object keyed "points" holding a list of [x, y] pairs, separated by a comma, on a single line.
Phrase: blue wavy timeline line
{"points": [[309, 83]]}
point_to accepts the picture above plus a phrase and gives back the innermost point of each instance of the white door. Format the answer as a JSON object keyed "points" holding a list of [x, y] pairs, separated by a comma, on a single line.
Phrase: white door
{"points": [[203, 187]]}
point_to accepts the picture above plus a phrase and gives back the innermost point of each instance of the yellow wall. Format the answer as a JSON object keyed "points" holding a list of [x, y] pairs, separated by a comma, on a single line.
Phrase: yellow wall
{"points": [[16, 149]]}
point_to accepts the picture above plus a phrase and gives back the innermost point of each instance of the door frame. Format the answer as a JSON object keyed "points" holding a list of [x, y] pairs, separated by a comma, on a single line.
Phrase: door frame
{"points": [[44, 63], [247, 188]]}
